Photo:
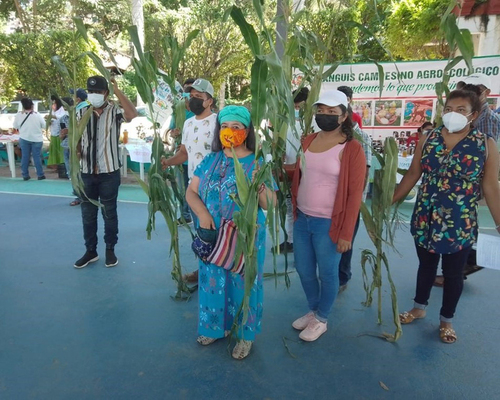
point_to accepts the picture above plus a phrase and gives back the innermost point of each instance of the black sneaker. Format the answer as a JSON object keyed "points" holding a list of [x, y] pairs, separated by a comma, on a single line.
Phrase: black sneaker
{"points": [[111, 259], [41, 178], [88, 257], [26, 178], [284, 247]]}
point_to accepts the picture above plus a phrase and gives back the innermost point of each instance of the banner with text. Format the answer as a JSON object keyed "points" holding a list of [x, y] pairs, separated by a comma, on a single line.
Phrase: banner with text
{"points": [[408, 93]]}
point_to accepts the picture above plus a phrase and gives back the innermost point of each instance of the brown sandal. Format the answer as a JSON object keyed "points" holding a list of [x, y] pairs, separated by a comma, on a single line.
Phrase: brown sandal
{"points": [[192, 277], [448, 335], [407, 317]]}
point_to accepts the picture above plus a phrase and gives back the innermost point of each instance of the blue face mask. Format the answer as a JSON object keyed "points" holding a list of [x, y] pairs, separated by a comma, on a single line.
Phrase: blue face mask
{"points": [[186, 95], [297, 114]]}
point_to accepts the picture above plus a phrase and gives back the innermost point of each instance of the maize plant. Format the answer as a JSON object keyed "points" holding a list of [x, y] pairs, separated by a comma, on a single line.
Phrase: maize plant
{"points": [[380, 225], [382, 219], [163, 198]]}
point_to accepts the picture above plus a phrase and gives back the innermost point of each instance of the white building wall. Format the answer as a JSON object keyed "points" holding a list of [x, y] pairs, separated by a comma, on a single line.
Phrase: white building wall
{"points": [[485, 43]]}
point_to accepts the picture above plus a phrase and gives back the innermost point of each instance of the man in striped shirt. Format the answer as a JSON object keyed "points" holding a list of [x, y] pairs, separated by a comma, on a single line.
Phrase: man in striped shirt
{"points": [[100, 166]]}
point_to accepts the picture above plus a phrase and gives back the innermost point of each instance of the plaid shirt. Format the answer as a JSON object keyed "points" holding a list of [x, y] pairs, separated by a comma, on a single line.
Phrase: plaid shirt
{"points": [[365, 140], [488, 122]]}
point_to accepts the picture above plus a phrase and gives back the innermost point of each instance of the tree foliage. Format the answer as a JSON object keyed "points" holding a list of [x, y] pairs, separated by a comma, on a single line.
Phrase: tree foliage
{"points": [[413, 29], [29, 58]]}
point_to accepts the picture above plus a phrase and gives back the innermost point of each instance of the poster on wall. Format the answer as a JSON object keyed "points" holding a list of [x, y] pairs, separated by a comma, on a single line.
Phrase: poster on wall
{"points": [[408, 97]]}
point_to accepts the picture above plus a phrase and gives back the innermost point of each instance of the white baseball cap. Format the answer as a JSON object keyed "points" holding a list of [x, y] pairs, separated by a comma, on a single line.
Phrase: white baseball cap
{"points": [[478, 79], [332, 98]]}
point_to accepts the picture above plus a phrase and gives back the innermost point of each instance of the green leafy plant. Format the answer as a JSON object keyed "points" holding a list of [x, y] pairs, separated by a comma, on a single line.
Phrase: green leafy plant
{"points": [[380, 225]]}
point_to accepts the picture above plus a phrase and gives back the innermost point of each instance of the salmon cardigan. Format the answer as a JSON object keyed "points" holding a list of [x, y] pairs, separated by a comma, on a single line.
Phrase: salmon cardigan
{"points": [[347, 203]]}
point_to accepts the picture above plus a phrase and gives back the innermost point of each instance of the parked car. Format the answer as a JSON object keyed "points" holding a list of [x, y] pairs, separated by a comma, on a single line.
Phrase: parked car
{"points": [[9, 112]]}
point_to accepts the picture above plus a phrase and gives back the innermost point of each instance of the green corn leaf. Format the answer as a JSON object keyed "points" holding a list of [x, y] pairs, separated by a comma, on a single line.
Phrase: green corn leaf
{"points": [[242, 183], [82, 30], [389, 171], [103, 43], [247, 30], [258, 89]]}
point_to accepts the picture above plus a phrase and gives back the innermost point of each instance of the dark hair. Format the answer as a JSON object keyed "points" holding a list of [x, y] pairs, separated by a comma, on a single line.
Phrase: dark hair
{"points": [[68, 100], [300, 95], [217, 144], [189, 81], [472, 88], [27, 103], [471, 96], [426, 123], [56, 100], [347, 127], [346, 90]]}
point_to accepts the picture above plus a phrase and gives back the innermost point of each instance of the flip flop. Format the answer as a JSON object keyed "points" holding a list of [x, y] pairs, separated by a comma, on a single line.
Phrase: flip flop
{"points": [[448, 335], [407, 317]]}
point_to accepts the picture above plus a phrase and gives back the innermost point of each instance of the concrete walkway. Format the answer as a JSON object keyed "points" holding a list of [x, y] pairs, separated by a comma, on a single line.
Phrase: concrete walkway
{"points": [[101, 333]]}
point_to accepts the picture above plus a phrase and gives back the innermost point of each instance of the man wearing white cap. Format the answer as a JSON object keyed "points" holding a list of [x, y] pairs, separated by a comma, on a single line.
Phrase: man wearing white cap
{"points": [[197, 135], [488, 122]]}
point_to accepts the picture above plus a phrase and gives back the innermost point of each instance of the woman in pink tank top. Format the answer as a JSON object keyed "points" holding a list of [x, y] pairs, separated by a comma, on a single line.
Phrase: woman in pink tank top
{"points": [[327, 193]]}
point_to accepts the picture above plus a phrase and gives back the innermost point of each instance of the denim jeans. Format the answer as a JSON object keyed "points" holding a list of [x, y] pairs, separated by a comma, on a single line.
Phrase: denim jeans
{"points": [[103, 188], [453, 272], [314, 251], [66, 161], [186, 211], [345, 261], [29, 149]]}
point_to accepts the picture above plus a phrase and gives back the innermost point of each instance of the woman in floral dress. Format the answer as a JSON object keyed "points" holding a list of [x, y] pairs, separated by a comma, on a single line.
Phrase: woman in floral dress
{"points": [[458, 163], [209, 195]]}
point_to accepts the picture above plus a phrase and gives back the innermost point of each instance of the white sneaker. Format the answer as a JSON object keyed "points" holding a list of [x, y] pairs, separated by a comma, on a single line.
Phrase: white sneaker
{"points": [[313, 331], [301, 323]]}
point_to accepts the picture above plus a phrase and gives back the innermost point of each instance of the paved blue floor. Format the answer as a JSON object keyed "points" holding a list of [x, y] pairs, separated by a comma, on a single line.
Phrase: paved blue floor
{"points": [[100, 333]]}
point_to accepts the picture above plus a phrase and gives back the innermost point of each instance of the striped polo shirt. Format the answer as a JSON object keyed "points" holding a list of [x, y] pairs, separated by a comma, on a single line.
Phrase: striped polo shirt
{"points": [[100, 153]]}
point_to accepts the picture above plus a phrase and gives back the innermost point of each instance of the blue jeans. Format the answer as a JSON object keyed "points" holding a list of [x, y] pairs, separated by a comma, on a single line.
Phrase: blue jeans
{"points": [[103, 188], [66, 161], [345, 261], [29, 149], [313, 250]]}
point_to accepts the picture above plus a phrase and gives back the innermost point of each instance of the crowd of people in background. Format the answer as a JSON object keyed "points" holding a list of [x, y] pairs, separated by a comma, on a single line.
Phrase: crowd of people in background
{"points": [[326, 174]]}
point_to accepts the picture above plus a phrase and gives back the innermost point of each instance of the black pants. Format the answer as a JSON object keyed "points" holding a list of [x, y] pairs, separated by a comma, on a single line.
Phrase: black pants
{"points": [[453, 273], [102, 188]]}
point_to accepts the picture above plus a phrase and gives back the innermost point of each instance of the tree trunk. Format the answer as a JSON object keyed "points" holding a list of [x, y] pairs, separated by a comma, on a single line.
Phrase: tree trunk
{"points": [[222, 95], [20, 15], [281, 27], [138, 20]]}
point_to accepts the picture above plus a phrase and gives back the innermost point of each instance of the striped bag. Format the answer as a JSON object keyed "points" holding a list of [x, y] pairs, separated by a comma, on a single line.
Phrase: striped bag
{"points": [[225, 248]]}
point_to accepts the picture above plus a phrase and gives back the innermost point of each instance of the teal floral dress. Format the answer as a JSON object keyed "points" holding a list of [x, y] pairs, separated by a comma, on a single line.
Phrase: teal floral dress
{"points": [[221, 292], [444, 220]]}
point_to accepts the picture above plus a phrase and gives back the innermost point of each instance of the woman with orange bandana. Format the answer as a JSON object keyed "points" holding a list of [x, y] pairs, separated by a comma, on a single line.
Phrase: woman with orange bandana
{"points": [[210, 196]]}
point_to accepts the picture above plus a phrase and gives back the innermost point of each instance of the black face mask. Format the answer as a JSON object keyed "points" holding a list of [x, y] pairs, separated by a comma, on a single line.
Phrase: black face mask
{"points": [[327, 123], [196, 105]]}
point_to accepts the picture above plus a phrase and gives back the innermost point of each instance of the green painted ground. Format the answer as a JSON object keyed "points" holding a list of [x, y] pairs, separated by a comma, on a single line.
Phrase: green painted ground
{"points": [[62, 188], [133, 193]]}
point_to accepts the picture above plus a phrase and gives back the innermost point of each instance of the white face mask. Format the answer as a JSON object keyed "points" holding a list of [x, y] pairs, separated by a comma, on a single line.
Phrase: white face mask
{"points": [[297, 114], [96, 99], [455, 122]]}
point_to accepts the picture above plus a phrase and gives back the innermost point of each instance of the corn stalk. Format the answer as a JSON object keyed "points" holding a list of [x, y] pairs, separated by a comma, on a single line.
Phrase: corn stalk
{"points": [[163, 198], [457, 39], [380, 225]]}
